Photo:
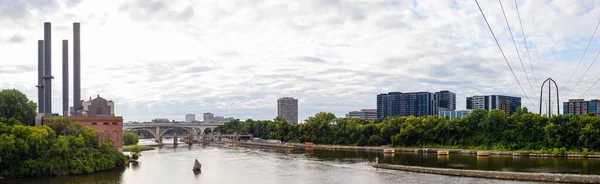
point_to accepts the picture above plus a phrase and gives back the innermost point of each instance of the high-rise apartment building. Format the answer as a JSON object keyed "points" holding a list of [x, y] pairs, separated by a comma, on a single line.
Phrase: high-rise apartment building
{"points": [[508, 104], [414, 103], [190, 118], [208, 117], [446, 101], [363, 114], [582, 107], [287, 108]]}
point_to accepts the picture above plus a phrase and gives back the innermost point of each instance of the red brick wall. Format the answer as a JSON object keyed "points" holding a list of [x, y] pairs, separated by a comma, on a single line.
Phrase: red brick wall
{"points": [[111, 127]]}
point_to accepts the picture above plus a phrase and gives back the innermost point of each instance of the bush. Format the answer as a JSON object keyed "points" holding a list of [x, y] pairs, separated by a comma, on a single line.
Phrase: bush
{"points": [[130, 139], [40, 151]]}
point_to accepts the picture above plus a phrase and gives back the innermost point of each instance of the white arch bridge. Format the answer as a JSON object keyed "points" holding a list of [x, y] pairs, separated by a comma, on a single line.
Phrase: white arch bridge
{"points": [[159, 129]]}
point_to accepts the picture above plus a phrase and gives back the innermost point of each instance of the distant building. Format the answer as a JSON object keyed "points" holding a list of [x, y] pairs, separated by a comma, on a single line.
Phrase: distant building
{"points": [[582, 107], [160, 120], [98, 107], [414, 103], [287, 108], [190, 118], [459, 114], [363, 114], [508, 104], [208, 117], [446, 101]]}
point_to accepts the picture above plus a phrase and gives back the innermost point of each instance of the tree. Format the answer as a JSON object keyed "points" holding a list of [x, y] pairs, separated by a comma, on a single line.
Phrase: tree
{"points": [[130, 139], [14, 104]]}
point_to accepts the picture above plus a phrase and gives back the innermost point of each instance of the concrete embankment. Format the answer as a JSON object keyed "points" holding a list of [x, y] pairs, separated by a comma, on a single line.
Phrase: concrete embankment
{"points": [[452, 151], [271, 145], [542, 177]]}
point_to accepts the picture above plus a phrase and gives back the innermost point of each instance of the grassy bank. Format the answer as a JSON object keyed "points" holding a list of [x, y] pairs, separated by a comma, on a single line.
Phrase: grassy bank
{"points": [[143, 147]]}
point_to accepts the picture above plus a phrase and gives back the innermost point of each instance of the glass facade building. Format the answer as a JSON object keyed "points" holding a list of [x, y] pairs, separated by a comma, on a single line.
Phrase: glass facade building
{"points": [[581, 107], [508, 104], [455, 114], [414, 103]]}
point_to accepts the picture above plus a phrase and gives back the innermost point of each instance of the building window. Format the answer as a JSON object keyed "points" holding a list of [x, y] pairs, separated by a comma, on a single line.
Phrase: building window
{"points": [[94, 123], [105, 123], [114, 123]]}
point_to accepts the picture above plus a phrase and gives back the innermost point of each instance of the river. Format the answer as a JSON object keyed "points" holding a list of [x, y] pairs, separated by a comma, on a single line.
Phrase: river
{"points": [[172, 165]]}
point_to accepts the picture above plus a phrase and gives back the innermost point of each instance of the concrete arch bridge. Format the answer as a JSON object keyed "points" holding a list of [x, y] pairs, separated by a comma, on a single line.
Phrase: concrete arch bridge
{"points": [[159, 129]]}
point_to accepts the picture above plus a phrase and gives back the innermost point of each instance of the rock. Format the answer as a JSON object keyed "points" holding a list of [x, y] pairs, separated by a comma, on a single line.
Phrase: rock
{"points": [[197, 166]]}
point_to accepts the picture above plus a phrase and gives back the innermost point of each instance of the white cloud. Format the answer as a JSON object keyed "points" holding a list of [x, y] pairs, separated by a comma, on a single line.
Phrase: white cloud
{"points": [[235, 58]]}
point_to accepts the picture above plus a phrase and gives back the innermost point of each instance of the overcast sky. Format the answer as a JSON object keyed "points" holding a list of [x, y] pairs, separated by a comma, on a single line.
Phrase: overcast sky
{"points": [[163, 59]]}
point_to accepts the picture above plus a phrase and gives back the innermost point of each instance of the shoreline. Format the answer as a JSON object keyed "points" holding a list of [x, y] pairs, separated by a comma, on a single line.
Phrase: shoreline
{"points": [[451, 151], [521, 176]]}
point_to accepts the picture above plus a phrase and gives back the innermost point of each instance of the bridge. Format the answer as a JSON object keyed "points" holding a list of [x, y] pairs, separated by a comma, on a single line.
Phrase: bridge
{"points": [[159, 129]]}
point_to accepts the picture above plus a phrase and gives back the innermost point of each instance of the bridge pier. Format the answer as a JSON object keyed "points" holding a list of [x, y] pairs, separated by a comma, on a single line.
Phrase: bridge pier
{"points": [[175, 141]]}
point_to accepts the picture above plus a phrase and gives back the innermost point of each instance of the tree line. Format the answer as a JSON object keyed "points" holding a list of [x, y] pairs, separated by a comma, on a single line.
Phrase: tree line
{"points": [[480, 130]]}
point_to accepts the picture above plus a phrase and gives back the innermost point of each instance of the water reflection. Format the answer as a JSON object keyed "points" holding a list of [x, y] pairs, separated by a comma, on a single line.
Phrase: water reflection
{"points": [[171, 164]]}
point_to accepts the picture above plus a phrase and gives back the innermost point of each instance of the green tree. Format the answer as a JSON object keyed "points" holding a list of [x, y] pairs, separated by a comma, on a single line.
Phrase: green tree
{"points": [[130, 139], [14, 104]]}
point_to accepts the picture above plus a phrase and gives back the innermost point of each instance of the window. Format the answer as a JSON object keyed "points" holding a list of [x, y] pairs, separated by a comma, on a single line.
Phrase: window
{"points": [[114, 123], [94, 123], [105, 123]]}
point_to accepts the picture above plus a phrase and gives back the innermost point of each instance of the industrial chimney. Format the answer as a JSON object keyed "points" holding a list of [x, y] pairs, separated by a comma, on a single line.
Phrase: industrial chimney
{"points": [[76, 70], [48, 68], [65, 77], [40, 85]]}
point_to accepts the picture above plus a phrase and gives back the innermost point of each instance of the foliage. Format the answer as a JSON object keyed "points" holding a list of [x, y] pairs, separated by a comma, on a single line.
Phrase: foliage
{"points": [[136, 152], [60, 147], [14, 104], [130, 139], [480, 130]]}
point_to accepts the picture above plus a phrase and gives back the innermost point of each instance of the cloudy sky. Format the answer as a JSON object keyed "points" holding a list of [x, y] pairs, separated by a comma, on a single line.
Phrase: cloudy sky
{"points": [[236, 58]]}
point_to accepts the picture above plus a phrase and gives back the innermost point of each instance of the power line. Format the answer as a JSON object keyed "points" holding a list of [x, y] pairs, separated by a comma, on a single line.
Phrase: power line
{"points": [[516, 48], [581, 59], [584, 75], [588, 69], [503, 55], [525, 40]]}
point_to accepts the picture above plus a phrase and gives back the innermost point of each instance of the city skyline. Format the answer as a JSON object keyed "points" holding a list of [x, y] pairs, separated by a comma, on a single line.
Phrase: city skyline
{"points": [[333, 56]]}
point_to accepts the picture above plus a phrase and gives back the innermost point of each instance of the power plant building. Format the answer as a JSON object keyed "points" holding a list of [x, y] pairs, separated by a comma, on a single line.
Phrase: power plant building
{"points": [[97, 113]]}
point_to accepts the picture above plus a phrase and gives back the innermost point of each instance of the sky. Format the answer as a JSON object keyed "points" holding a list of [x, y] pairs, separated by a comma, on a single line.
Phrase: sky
{"points": [[164, 59]]}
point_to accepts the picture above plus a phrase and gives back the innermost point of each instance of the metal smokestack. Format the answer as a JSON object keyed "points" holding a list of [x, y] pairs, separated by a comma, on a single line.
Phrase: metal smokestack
{"points": [[48, 68], [40, 85], [65, 77], [76, 69]]}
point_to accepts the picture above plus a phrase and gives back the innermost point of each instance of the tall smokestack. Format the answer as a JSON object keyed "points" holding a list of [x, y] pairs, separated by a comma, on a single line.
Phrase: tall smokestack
{"points": [[76, 69], [40, 85], [48, 68], [65, 77]]}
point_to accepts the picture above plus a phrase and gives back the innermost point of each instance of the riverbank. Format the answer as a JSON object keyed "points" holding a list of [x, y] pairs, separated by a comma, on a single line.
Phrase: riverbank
{"points": [[143, 147], [451, 151], [419, 150], [541, 177]]}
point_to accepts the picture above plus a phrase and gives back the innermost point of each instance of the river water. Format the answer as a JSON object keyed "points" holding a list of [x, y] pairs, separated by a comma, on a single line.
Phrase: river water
{"points": [[172, 165]]}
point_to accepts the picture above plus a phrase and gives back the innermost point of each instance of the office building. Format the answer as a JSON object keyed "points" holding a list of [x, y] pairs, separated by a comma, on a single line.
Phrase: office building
{"points": [[189, 118], [582, 107], [208, 117], [414, 103], [459, 114], [362, 114], [508, 104], [446, 101], [287, 108]]}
